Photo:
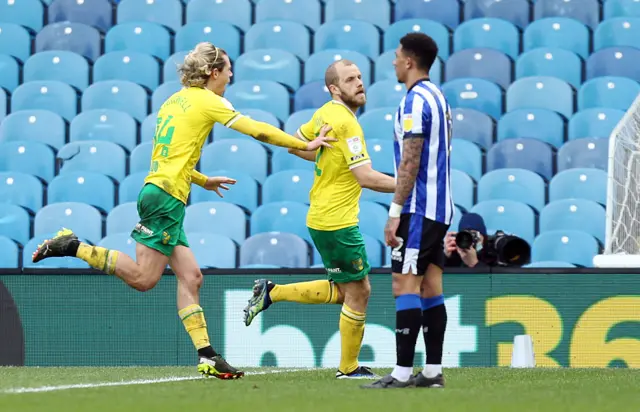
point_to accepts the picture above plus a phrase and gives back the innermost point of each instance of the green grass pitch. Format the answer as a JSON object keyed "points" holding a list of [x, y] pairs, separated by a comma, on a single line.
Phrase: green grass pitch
{"points": [[468, 389]]}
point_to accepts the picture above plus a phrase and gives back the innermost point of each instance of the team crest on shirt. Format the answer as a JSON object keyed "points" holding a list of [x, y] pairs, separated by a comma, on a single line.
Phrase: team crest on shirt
{"points": [[407, 122], [354, 144]]}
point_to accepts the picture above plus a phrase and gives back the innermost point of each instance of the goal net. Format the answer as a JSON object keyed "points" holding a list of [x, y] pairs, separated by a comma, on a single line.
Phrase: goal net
{"points": [[622, 236]]}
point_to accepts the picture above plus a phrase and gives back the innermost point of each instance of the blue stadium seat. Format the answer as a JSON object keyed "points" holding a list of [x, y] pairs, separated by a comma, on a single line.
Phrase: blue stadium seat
{"points": [[297, 119], [130, 187], [106, 158], [608, 91], [316, 65], [85, 220], [65, 66], [260, 94], [220, 33], [561, 32], [618, 31], [483, 63], [121, 242], [3, 103], [579, 183], [376, 12], [52, 95], [34, 158], [244, 193], [15, 41], [74, 37], [443, 11], [385, 70], [462, 189], [374, 251], [217, 217], [92, 188], [541, 92], [552, 62], [21, 189], [148, 128], [472, 125], [170, 66], [143, 37], [513, 11], [381, 153], [307, 12], [542, 124], [288, 185], [277, 249], [522, 153], [15, 223], [355, 35], [311, 96], [213, 251], [105, 125], [34, 125], [165, 12], [596, 122], [488, 33], [513, 184], [10, 70], [239, 154], [51, 263], [269, 64], [120, 95], [122, 218], [221, 132], [585, 11], [140, 159], [286, 216], [614, 61], [369, 195], [373, 217], [457, 215], [437, 31], [508, 215], [279, 34], [283, 160], [574, 214], [546, 264], [8, 253], [572, 246], [27, 13], [620, 8], [586, 152], [466, 156], [163, 93], [378, 123], [236, 12], [385, 93], [477, 94], [97, 13], [135, 67]]}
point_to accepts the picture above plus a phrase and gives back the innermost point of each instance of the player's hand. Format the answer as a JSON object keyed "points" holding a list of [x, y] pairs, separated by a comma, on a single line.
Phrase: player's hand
{"points": [[321, 140], [450, 244], [390, 231], [216, 183]]}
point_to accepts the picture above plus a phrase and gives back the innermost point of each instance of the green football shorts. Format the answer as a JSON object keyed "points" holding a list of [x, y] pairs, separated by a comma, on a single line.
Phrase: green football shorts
{"points": [[161, 218], [343, 253]]}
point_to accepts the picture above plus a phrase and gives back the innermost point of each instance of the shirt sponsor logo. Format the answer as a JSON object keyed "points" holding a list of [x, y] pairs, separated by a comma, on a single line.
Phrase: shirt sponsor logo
{"points": [[143, 229], [357, 157], [334, 270]]}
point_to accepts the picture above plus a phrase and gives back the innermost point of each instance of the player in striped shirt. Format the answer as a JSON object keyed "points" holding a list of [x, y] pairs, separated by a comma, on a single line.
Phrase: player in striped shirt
{"points": [[420, 214]]}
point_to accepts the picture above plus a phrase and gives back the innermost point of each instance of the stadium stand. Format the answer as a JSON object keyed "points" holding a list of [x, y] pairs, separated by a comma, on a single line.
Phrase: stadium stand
{"points": [[535, 88]]}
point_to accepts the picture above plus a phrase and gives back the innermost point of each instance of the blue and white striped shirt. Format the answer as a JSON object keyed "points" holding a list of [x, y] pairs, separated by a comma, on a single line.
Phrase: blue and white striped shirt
{"points": [[424, 112]]}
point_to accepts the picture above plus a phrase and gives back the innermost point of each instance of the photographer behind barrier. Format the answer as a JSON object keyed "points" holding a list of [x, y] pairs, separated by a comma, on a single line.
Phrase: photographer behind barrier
{"points": [[471, 247]]}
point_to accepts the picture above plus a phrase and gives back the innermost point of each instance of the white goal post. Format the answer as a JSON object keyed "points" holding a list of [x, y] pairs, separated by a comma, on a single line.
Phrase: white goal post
{"points": [[622, 236]]}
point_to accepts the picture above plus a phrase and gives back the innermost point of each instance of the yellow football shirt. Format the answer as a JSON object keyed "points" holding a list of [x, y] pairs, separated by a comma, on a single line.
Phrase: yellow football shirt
{"points": [[184, 121], [335, 194]]}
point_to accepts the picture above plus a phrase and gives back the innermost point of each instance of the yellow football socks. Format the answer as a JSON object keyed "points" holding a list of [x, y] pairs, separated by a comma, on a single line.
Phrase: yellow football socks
{"points": [[193, 320], [98, 257], [314, 292], [351, 334]]}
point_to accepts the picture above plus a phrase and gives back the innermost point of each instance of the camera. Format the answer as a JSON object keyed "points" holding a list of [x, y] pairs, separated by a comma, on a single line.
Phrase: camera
{"points": [[467, 239], [507, 250]]}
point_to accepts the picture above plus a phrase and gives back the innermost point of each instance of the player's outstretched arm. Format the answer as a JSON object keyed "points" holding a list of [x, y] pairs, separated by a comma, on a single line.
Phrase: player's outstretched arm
{"points": [[368, 178], [272, 135]]}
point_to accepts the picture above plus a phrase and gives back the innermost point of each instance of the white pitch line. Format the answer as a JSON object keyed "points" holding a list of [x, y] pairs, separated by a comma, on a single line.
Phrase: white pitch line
{"points": [[133, 382]]}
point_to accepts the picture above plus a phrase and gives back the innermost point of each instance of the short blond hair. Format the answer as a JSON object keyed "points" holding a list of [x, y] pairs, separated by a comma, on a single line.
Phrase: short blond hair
{"points": [[200, 63]]}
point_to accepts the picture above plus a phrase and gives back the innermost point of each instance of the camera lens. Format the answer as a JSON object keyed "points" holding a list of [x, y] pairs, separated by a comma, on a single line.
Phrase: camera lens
{"points": [[464, 240]]}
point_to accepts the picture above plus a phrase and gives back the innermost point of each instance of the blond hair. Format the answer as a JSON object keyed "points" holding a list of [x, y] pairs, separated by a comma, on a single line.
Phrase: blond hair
{"points": [[200, 63]]}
